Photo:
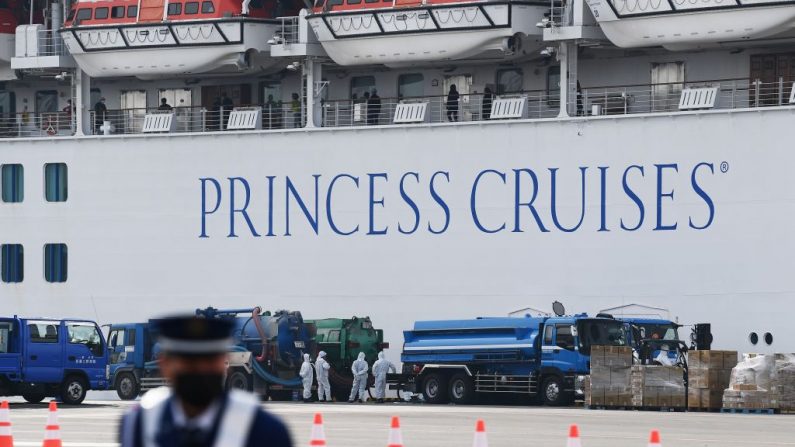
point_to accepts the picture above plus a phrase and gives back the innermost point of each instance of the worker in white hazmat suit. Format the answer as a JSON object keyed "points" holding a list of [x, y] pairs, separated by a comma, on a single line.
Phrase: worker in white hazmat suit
{"points": [[359, 370], [321, 369], [307, 374], [380, 369]]}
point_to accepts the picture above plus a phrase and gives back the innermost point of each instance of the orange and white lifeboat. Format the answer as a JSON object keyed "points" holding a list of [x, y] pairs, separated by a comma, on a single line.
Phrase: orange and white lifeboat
{"points": [[405, 32], [159, 38], [686, 24], [8, 26]]}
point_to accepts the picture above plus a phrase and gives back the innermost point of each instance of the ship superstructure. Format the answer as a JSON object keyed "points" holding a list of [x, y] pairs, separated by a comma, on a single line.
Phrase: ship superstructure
{"points": [[439, 154]]}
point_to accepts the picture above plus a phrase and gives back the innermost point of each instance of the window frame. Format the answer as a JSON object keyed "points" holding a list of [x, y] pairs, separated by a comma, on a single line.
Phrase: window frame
{"points": [[132, 11], [57, 198], [105, 11], [498, 84], [51, 260], [177, 9], [42, 339], [400, 85], [80, 10], [210, 10], [191, 4], [115, 9], [16, 189], [5, 269], [565, 327]]}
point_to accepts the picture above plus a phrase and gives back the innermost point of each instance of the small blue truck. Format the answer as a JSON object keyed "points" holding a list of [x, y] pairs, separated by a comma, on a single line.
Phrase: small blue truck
{"points": [[460, 361], [41, 357]]}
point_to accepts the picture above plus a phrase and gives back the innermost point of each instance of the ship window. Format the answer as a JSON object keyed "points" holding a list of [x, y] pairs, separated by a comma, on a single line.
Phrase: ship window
{"points": [[374, 1], [101, 13], [55, 182], [667, 79], [12, 263], [174, 9], [509, 80], [192, 8], [13, 176], [117, 12], [208, 8], [71, 15], [55, 262], [411, 85], [354, 2], [83, 14], [46, 101], [335, 2], [8, 104], [361, 85], [132, 11]]}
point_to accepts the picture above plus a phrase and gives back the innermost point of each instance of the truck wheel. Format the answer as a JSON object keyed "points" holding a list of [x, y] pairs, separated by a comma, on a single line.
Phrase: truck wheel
{"points": [[462, 389], [434, 389], [73, 390], [33, 398], [238, 380], [127, 387], [552, 392]]}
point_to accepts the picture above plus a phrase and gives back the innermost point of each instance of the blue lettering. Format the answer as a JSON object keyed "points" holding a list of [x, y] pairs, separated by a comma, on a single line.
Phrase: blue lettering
{"points": [[553, 204], [374, 202], [438, 199], [411, 203], [205, 211], [660, 196], [328, 204], [242, 211], [312, 219], [603, 198], [472, 200], [631, 194], [703, 194], [518, 204], [270, 205]]}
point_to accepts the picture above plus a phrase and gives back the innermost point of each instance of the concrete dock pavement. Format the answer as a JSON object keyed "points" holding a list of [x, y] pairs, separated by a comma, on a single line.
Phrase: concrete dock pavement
{"points": [[95, 424]]}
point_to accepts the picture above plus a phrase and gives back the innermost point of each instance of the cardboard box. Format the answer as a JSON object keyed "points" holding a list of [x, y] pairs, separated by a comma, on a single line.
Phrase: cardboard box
{"points": [[712, 399]]}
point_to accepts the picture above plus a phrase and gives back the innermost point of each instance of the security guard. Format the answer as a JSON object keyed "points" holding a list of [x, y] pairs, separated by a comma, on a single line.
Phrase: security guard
{"points": [[197, 411]]}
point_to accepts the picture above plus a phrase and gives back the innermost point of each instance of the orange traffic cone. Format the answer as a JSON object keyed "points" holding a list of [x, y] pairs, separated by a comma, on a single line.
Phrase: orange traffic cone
{"points": [[480, 435], [6, 440], [318, 437], [654, 439], [52, 435], [574, 436], [395, 437]]}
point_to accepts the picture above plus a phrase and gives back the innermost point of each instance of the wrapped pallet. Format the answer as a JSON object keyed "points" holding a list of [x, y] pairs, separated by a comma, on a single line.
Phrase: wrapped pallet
{"points": [[760, 381], [782, 381], [709, 375], [610, 376]]}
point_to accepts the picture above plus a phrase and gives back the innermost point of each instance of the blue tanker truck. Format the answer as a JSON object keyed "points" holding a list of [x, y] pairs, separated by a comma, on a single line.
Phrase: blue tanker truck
{"points": [[461, 361], [265, 357]]}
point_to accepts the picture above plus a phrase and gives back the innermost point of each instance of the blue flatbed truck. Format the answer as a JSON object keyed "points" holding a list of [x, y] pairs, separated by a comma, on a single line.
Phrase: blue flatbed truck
{"points": [[41, 357], [544, 358], [133, 359]]}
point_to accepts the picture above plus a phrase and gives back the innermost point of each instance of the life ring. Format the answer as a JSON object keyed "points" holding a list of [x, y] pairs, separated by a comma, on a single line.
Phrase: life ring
{"points": [[48, 126]]}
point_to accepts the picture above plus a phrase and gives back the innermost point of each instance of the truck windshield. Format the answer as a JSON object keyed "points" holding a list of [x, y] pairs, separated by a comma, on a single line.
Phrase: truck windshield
{"points": [[85, 334], [600, 332], [652, 331]]}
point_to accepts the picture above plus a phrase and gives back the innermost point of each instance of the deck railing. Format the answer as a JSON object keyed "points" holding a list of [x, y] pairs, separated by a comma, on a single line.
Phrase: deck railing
{"points": [[588, 101]]}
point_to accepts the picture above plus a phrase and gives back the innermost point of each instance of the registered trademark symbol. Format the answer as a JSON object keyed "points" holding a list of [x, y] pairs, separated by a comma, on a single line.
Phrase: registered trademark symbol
{"points": [[724, 167]]}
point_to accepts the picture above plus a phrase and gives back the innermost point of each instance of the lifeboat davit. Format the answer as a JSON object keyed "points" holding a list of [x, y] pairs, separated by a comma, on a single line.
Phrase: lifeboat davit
{"points": [[685, 24], [405, 32], [160, 38]]}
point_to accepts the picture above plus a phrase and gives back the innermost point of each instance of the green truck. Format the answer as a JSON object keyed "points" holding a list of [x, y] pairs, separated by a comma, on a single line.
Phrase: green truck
{"points": [[343, 339]]}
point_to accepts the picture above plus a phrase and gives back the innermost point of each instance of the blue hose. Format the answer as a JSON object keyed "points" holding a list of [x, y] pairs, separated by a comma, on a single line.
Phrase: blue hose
{"points": [[265, 375]]}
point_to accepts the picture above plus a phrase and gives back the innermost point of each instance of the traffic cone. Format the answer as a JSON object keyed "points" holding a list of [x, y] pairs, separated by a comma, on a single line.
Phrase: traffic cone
{"points": [[480, 435], [574, 436], [318, 437], [52, 435], [654, 439], [6, 440], [395, 437]]}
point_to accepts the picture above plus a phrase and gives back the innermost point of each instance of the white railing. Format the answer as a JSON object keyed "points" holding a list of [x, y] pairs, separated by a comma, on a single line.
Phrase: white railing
{"points": [[288, 32], [35, 41], [26, 125]]}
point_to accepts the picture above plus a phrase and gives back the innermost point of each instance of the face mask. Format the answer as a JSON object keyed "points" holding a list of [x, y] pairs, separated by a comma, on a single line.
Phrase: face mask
{"points": [[199, 389]]}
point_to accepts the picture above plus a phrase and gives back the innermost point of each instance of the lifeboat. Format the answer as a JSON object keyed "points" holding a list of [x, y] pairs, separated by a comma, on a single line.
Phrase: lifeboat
{"points": [[406, 32], [8, 26], [159, 38], [687, 24]]}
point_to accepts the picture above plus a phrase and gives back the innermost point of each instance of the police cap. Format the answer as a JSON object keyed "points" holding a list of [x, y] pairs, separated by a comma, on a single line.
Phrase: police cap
{"points": [[190, 335]]}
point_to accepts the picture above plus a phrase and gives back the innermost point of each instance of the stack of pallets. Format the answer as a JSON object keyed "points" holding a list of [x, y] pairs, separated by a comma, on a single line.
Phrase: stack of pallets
{"points": [[609, 384], [709, 376]]}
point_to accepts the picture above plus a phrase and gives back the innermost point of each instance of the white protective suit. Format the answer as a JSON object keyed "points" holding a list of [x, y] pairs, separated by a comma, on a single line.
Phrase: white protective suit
{"points": [[307, 375], [321, 369], [380, 369], [359, 370]]}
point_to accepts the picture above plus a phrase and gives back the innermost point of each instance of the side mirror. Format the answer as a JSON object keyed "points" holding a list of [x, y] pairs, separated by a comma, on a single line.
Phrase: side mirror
{"points": [[573, 330]]}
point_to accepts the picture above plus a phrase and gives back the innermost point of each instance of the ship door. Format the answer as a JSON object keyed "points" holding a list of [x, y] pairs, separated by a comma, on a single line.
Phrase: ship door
{"points": [[463, 84], [667, 80], [151, 10], [181, 99], [133, 110], [772, 75]]}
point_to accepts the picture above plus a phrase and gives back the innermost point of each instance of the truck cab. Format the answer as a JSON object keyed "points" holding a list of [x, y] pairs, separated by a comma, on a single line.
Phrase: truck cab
{"points": [[132, 359], [41, 357]]}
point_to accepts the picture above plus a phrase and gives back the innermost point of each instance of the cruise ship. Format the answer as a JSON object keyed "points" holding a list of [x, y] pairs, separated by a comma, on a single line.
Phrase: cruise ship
{"points": [[402, 159]]}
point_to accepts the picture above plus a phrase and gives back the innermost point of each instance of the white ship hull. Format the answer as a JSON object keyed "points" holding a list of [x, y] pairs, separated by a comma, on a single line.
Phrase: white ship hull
{"points": [[134, 222]]}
